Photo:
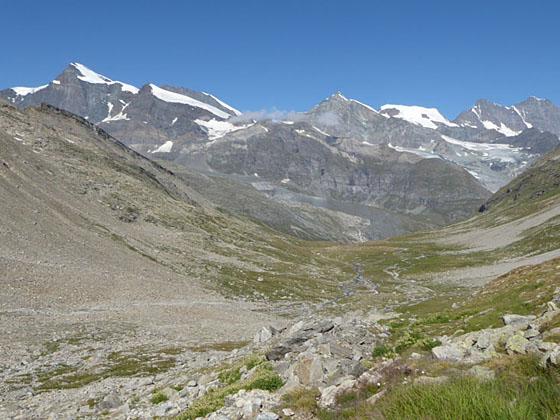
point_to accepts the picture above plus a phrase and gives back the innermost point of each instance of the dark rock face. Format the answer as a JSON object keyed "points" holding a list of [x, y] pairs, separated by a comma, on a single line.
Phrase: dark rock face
{"points": [[541, 113], [535, 141], [348, 172], [531, 113]]}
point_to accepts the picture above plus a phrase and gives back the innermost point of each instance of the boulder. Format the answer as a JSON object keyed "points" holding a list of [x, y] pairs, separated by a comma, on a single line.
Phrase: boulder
{"points": [[277, 353], [370, 378], [452, 352], [330, 394], [309, 370], [267, 415], [551, 357], [552, 332], [264, 335], [545, 345], [517, 344], [521, 321]]}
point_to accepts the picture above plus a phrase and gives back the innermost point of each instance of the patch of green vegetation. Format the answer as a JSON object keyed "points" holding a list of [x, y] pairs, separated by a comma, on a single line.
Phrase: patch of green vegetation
{"points": [[382, 351], [522, 390], [230, 376], [158, 397], [351, 405], [23, 379], [429, 343], [263, 377], [91, 403], [118, 365], [302, 400], [137, 364], [172, 351]]}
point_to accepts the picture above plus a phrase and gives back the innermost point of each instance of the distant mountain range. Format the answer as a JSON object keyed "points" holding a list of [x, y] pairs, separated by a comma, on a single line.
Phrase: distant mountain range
{"points": [[342, 170]]}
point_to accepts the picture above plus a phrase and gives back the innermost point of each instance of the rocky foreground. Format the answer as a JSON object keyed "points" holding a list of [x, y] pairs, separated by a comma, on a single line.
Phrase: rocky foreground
{"points": [[92, 376]]}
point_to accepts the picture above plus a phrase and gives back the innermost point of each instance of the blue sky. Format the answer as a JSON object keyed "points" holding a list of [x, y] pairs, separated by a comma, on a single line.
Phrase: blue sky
{"points": [[290, 54]]}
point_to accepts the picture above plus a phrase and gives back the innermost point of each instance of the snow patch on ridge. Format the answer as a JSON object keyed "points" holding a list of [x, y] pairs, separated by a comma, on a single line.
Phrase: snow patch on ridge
{"points": [[364, 105], [172, 97], [164, 148], [425, 117], [89, 76], [22, 91], [480, 147], [222, 103], [217, 129], [502, 128], [418, 152]]}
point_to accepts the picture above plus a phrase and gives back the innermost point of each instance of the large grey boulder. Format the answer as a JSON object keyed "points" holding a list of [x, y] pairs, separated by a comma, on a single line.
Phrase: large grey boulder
{"points": [[519, 321], [452, 352], [264, 335], [330, 394], [517, 344]]}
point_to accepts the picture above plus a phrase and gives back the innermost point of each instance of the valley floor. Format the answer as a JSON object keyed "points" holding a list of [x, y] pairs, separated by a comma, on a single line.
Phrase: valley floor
{"points": [[120, 352]]}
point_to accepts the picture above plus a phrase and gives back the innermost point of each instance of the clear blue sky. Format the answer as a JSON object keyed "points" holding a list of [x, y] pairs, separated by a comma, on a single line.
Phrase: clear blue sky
{"points": [[290, 54]]}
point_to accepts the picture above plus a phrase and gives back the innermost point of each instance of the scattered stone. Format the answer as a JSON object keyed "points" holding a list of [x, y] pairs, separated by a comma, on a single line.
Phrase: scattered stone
{"points": [[288, 412], [551, 357], [518, 319], [268, 416]]}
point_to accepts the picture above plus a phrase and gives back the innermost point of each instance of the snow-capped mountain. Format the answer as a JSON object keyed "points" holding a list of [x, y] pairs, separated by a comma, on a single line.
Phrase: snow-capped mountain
{"points": [[486, 153], [512, 120], [145, 118], [373, 173]]}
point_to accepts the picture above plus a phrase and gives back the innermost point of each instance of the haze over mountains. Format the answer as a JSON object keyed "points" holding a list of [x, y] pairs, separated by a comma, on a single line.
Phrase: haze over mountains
{"points": [[341, 170]]}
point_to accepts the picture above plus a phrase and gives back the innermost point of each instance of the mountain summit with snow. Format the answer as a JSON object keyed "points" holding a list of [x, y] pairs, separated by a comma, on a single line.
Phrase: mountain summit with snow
{"points": [[145, 118]]}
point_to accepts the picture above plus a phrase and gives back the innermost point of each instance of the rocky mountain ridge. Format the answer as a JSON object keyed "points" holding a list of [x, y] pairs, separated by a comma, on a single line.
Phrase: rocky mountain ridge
{"points": [[327, 161]]}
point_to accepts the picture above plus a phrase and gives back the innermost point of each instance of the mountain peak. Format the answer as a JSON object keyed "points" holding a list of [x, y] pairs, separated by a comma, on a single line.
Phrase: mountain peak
{"points": [[87, 75], [337, 96]]}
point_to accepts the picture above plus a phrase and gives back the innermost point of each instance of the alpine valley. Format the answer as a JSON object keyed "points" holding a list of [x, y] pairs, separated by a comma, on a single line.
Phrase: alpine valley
{"points": [[341, 171], [164, 255]]}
